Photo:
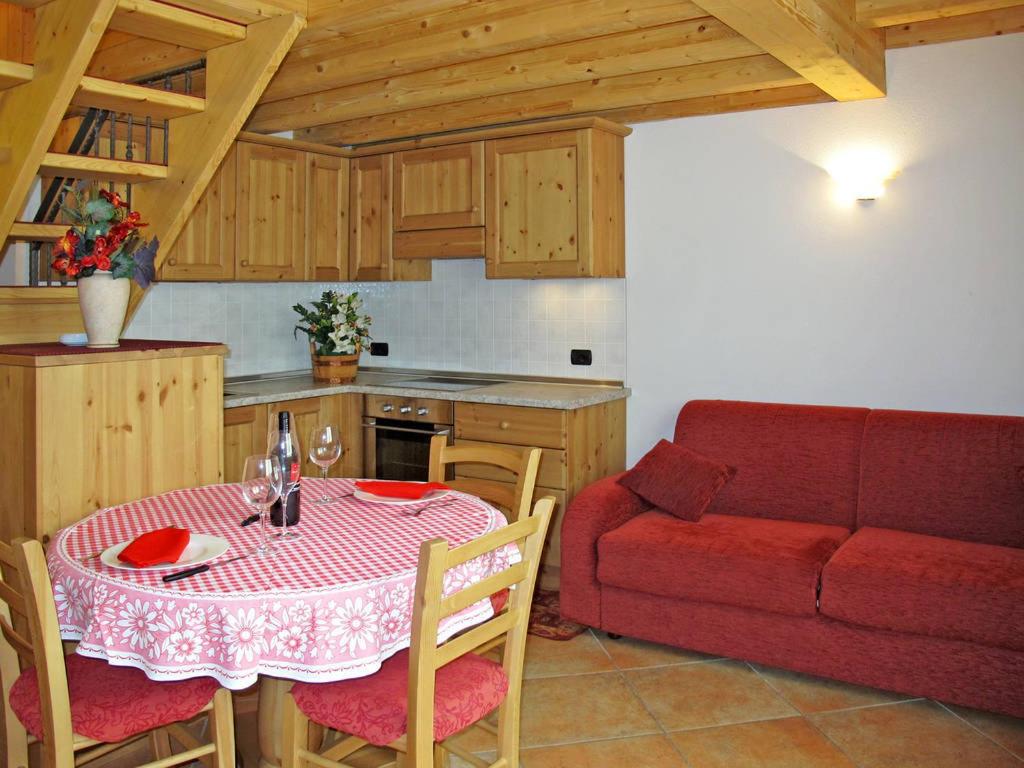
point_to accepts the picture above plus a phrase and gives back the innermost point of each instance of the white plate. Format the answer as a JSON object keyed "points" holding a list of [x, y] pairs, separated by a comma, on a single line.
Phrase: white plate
{"points": [[366, 496], [201, 548]]}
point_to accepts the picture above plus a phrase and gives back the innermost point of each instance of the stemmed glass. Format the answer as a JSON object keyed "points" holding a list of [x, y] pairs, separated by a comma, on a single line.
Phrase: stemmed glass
{"points": [[324, 450], [261, 487]]}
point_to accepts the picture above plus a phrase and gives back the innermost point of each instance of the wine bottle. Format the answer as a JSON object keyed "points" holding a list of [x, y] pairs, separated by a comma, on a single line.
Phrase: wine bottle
{"points": [[285, 445]]}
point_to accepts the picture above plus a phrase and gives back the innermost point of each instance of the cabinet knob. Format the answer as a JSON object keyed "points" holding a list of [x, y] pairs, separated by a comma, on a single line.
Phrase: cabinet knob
{"points": [[405, 409], [387, 408], [422, 411], [504, 425], [171, 262], [244, 262]]}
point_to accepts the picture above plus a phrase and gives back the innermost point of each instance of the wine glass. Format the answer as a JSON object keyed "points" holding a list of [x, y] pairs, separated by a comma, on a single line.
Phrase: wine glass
{"points": [[261, 487], [324, 450], [283, 443]]}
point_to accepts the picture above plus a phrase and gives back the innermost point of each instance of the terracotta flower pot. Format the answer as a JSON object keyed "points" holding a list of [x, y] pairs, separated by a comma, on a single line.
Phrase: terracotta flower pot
{"points": [[334, 369], [104, 301]]}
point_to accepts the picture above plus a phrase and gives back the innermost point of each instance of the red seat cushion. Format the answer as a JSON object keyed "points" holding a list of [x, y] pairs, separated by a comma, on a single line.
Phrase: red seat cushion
{"points": [[376, 708], [773, 565], [926, 585], [111, 703], [677, 479], [499, 600]]}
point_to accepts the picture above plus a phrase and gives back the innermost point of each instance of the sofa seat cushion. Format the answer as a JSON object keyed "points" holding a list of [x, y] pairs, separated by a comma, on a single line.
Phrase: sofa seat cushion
{"points": [[927, 585], [773, 565]]}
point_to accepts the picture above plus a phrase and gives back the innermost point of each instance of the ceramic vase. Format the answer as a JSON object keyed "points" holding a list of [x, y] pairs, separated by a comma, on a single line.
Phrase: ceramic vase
{"points": [[104, 302]]}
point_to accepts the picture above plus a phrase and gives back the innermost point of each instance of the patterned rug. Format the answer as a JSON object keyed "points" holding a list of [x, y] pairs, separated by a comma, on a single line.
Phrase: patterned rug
{"points": [[546, 620]]}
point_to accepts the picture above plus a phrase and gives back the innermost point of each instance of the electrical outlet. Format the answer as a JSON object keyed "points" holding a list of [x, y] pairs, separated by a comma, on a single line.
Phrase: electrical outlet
{"points": [[378, 349], [581, 357]]}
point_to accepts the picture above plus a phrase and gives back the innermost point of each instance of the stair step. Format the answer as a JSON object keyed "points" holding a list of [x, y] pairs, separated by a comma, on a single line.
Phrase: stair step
{"points": [[13, 73], [31, 232], [158, 21], [100, 168], [135, 99]]}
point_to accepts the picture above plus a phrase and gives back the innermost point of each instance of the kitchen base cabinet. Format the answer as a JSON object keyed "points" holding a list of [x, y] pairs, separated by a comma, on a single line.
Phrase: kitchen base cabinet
{"points": [[92, 429], [579, 447], [247, 431]]}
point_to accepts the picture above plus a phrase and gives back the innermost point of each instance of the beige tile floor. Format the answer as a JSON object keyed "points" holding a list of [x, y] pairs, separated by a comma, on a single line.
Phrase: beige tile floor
{"points": [[593, 702]]}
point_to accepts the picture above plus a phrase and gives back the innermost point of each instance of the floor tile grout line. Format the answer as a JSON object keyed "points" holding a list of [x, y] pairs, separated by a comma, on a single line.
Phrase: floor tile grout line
{"points": [[973, 727], [647, 709]]}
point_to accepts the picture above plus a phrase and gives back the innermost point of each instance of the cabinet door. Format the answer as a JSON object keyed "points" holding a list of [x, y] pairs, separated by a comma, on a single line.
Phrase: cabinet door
{"points": [[327, 222], [370, 218], [245, 434], [440, 187], [344, 411], [271, 220], [205, 250], [534, 185]]}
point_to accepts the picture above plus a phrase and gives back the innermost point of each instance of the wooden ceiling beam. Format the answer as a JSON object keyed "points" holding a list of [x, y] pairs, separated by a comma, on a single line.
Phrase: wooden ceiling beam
{"points": [[1004, 21], [889, 13], [820, 39], [345, 17], [246, 11], [689, 42], [597, 95], [478, 31], [767, 98]]}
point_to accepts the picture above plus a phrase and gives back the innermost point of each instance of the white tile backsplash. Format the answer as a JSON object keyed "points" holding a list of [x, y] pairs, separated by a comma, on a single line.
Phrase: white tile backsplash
{"points": [[459, 321]]}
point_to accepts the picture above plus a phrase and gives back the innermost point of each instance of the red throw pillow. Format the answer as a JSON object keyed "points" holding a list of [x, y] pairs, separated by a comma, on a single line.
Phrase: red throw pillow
{"points": [[677, 479]]}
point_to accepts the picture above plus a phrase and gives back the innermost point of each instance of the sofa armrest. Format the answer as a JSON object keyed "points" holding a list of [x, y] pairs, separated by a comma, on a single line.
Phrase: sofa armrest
{"points": [[597, 509]]}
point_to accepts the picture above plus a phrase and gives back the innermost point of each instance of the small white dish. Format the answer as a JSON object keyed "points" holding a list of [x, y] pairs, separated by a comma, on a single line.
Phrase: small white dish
{"points": [[425, 499], [74, 339], [201, 548]]}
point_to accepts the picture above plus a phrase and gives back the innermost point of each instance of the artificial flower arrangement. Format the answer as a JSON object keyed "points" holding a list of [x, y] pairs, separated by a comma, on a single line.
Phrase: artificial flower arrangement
{"points": [[104, 237], [335, 325]]}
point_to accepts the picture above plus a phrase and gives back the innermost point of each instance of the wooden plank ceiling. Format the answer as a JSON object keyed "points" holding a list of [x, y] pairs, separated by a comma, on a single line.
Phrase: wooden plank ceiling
{"points": [[365, 71]]}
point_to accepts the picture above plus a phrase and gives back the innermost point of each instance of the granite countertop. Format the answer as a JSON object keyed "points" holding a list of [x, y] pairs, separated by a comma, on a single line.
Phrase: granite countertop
{"points": [[534, 394]]}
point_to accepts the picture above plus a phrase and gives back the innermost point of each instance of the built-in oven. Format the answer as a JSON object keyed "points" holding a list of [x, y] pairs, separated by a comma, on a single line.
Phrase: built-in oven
{"points": [[397, 435]]}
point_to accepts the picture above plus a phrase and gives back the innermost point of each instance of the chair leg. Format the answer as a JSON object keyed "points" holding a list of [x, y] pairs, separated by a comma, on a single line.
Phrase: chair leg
{"points": [[160, 744], [295, 733], [222, 728], [440, 757]]}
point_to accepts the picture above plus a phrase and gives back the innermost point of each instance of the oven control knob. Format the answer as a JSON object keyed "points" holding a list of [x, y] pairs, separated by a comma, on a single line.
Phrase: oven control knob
{"points": [[422, 411], [387, 408], [405, 409]]}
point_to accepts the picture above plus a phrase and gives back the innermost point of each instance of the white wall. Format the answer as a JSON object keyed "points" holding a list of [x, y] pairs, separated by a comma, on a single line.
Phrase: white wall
{"points": [[459, 322], [747, 280]]}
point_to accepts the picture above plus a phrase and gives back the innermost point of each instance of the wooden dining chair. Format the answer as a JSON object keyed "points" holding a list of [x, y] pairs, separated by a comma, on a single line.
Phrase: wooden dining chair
{"points": [[421, 697], [81, 708], [523, 463]]}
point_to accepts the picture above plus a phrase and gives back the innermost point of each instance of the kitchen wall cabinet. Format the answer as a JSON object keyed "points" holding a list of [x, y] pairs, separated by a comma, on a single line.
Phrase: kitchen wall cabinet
{"points": [[555, 205], [439, 187], [579, 447], [327, 178], [371, 224], [205, 250], [271, 213]]}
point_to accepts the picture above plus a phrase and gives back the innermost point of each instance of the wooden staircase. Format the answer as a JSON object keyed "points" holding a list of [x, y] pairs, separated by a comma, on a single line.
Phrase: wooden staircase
{"points": [[240, 60]]}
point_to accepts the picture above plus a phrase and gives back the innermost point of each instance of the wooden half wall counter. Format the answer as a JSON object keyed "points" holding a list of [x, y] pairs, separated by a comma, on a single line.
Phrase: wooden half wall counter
{"points": [[89, 428]]}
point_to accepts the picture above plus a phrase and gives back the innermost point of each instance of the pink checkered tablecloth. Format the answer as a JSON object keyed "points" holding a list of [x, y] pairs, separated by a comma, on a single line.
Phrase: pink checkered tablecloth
{"points": [[332, 605]]}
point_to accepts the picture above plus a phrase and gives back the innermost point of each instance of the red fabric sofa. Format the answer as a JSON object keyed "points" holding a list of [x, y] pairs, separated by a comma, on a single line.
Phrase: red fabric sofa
{"points": [[884, 548]]}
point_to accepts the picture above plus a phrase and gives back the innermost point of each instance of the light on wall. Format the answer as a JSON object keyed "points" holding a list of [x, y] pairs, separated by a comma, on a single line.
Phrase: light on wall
{"points": [[860, 173]]}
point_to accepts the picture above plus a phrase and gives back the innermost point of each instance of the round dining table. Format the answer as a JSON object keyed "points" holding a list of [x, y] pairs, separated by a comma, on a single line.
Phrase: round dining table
{"points": [[330, 605]]}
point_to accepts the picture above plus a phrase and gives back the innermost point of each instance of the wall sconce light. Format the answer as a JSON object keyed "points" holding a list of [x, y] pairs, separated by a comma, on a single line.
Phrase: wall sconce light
{"points": [[860, 173]]}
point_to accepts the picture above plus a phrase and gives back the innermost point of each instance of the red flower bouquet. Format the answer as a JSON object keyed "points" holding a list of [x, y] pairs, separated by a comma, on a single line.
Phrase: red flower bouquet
{"points": [[104, 237]]}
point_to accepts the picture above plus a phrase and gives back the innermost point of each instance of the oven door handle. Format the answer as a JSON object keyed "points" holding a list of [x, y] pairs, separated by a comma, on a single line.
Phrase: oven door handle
{"points": [[372, 424]]}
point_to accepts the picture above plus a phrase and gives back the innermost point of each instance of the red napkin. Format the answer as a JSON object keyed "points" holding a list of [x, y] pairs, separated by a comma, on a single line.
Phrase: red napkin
{"points": [[156, 547], [399, 489]]}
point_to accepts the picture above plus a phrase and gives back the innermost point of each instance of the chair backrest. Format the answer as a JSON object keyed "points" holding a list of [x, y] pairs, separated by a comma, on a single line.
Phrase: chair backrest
{"points": [[431, 606], [521, 462], [26, 603]]}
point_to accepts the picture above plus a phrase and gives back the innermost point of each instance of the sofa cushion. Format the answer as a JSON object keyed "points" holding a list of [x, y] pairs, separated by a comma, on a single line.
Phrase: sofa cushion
{"points": [[773, 565], [677, 480], [926, 585], [793, 462], [944, 474]]}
